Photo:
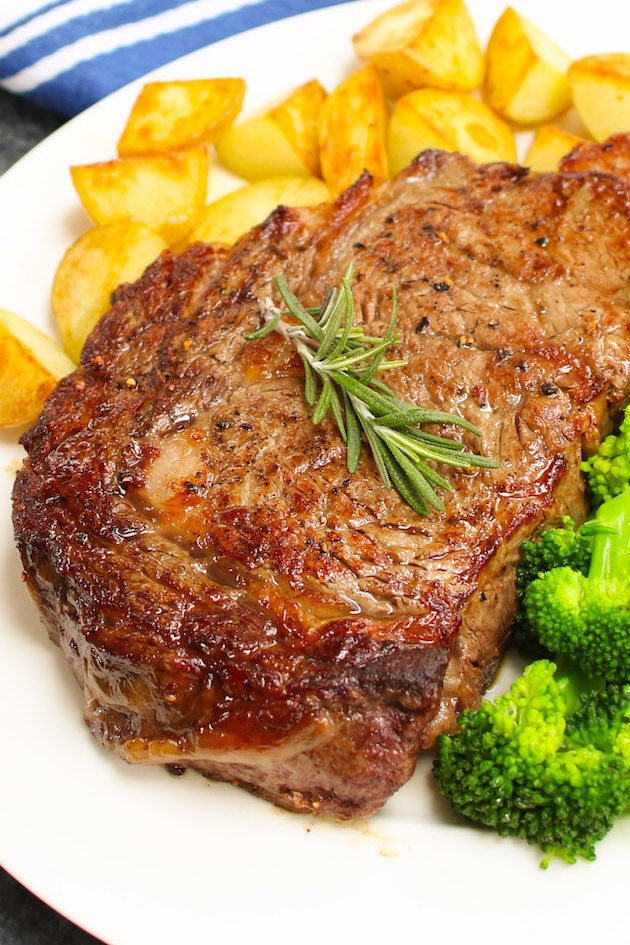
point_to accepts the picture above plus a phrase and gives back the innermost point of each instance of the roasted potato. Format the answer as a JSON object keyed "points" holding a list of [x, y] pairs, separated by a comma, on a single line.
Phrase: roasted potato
{"points": [[423, 43], [550, 144], [352, 127], [30, 366], [164, 191], [601, 93], [90, 271], [225, 220], [452, 121], [281, 142], [526, 73], [170, 115]]}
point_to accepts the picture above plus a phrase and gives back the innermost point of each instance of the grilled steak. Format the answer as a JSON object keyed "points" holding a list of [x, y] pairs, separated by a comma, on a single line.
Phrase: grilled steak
{"points": [[229, 597], [612, 156]]}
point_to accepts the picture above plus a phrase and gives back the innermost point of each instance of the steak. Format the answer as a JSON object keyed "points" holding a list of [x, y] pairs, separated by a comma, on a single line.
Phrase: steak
{"points": [[229, 597], [612, 156]]}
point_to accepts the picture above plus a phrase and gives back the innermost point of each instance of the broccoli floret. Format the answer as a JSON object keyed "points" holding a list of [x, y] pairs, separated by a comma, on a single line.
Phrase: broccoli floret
{"points": [[608, 471], [587, 617], [526, 767], [555, 548], [603, 720]]}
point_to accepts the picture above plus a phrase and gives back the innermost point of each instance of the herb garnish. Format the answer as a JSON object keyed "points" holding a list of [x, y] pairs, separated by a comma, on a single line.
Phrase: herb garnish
{"points": [[340, 366]]}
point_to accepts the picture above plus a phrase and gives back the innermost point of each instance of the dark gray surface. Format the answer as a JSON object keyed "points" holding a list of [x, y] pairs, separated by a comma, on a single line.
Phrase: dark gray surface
{"points": [[22, 125], [24, 920]]}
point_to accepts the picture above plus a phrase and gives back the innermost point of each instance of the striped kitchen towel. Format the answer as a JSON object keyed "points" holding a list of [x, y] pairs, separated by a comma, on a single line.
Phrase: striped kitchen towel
{"points": [[67, 54]]}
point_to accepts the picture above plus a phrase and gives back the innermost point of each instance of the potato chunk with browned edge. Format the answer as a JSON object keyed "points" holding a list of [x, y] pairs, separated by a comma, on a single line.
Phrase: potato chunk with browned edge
{"points": [[526, 78], [282, 141], [352, 130], [90, 271], [601, 93], [451, 121], [550, 144], [227, 219], [31, 363], [423, 43], [170, 115], [163, 191]]}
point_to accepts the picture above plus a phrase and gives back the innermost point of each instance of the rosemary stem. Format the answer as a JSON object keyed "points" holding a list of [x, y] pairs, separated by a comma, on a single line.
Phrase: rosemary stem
{"points": [[340, 367]]}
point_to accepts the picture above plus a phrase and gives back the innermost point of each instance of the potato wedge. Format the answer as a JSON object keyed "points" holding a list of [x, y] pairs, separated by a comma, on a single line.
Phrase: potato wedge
{"points": [[281, 142], [227, 219], [90, 271], [452, 121], [601, 93], [170, 115], [423, 43], [298, 118], [550, 144], [164, 191], [352, 126], [526, 78], [31, 363]]}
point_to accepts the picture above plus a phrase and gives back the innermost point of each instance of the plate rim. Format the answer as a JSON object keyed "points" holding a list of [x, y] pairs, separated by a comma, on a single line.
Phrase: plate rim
{"points": [[6, 181]]}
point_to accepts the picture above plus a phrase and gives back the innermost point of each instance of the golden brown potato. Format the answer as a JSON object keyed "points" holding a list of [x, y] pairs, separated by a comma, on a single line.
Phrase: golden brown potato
{"points": [[452, 121], [30, 366], [164, 191], [550, 144], [90, 271], [423, 43], [170, 115], [526, 77], [298, 118], [281, 142], [601, 93], [352, 130], [227, 219]]}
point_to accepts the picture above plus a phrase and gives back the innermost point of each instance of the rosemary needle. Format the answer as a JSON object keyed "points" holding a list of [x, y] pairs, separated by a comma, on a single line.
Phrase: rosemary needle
{"points": [[340, 367]]}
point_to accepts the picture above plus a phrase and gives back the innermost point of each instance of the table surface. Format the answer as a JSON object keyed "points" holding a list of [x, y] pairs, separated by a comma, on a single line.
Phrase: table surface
{"points": [[24, 920]]}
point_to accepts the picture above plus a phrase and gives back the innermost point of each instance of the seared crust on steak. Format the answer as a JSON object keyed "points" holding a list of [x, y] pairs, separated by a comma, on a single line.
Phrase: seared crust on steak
{"points": [[613, 156], [230, 598]]}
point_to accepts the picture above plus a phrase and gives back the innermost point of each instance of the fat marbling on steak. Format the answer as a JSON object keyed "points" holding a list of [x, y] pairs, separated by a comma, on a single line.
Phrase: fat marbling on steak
{"points": [[229, 597]]}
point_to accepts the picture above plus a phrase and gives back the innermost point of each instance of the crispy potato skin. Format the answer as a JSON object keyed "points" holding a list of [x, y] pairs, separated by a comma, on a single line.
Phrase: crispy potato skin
{"points": [[298, 118], [281, 142], [423, 43], [30, 366], [162, 191], [452, 121], [91, 269], [525, 72], [171, 115], [601, 93], [352, 128]]}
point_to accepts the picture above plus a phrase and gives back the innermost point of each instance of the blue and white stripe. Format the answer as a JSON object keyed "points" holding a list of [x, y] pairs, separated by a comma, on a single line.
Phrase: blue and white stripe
{"points": [[68, 54]]}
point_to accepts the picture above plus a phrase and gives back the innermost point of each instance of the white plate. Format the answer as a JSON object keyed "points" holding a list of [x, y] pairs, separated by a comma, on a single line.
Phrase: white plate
{"points": [[136, 856]]}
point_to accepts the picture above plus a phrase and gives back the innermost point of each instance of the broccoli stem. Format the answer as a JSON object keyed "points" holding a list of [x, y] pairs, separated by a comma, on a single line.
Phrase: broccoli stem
{"points": [[610, 550]]}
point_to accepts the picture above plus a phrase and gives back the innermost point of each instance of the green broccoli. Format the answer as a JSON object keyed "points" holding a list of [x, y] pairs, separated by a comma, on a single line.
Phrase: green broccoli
{"points": [[530, 767], [587, 617], [557, 547], [608, 471]]}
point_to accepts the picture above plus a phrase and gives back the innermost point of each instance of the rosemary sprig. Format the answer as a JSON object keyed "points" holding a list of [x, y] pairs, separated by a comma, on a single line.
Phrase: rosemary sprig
{"points": [[340, 366]]}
